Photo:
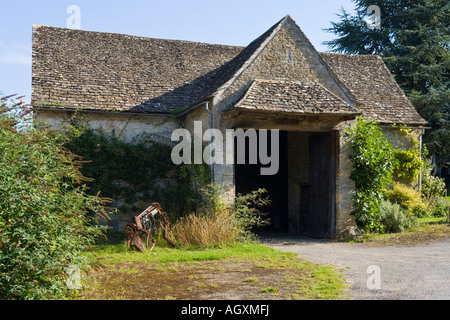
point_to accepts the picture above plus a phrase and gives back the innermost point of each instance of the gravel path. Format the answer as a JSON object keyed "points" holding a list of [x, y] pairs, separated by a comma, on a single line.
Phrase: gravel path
{"points": [[419, 272]]}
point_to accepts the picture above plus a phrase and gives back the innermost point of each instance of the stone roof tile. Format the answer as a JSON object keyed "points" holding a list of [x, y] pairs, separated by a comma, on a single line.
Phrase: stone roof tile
{"points": [[293, 97], [114, 72], [378, 94]]}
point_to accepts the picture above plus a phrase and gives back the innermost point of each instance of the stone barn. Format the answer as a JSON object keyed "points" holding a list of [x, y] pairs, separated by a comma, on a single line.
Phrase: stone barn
{"points": [[128, 85]]}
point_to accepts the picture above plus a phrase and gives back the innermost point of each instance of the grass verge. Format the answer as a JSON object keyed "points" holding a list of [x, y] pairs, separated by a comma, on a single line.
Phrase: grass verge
{"points": [[248, 271], [428, 230]]}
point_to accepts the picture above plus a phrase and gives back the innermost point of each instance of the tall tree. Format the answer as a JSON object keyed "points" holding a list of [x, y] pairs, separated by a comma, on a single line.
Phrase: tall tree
{"points": [[413, 40]]}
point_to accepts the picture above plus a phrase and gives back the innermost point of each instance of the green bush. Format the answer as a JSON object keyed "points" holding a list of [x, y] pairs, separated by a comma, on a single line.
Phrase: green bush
{"points": [[408, 161], [432, 186], [408, 198], [247, 211], [373, 162], [47, 220], [437, 206], [394, 217]]}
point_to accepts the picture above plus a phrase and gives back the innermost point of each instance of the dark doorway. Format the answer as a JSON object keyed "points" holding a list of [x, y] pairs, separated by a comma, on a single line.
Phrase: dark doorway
{"points": [[322, 184], [248, 178]]}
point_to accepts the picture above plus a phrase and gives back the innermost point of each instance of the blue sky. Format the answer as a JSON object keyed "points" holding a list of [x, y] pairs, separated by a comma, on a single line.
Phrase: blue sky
{"points": [[231, 22]]}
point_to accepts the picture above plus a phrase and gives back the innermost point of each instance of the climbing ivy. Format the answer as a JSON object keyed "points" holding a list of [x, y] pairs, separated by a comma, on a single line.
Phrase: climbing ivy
{"points": [[408, 161], [373, 163], [140, 171]]}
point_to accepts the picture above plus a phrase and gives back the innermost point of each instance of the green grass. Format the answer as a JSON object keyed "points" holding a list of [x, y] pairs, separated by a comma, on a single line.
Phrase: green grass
{"points": [[119, 253], [251, 279], [269, 271], [430, 220], [427, 230]]}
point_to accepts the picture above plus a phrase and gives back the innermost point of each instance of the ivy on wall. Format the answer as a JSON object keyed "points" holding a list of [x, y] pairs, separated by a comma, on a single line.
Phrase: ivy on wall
{"points": [[373, 163], [135, 172], [376, 165], [408, 161]]}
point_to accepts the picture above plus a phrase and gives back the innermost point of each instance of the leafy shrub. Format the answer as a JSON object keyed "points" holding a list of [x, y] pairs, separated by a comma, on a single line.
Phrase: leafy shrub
{"points": [[373, 162], [432, 186], [437, 206], [247, 212], [47, 219], [408, 165], [408, 161], [408, 198], [394, 217], [421, 211]]}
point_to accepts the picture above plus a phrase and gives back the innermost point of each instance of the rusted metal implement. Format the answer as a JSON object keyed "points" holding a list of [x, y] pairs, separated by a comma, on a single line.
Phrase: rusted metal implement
{"points": [[143, 225]]}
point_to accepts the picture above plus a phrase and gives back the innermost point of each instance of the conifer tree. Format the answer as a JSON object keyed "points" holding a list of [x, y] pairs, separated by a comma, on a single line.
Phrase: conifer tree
{"points": [[413, 40]]}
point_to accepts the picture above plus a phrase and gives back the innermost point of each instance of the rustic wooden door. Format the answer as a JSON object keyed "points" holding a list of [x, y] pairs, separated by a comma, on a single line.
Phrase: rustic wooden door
{"points": [[322, 184]]}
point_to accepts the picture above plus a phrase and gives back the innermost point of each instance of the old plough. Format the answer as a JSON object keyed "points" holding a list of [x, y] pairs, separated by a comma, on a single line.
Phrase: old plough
{"points": [[143, 227]]}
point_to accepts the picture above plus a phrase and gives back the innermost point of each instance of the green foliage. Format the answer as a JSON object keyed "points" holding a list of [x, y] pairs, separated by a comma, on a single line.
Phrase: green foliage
{"points": [[408, 165], [212, 201], [47, 219], [193, 188], [437, 207], [119, 169], [408, 198], [432, 186], [414, 43], [133, 172], [373, 162], [408, 161], [247, 212], [430, 203], [394, 217]]}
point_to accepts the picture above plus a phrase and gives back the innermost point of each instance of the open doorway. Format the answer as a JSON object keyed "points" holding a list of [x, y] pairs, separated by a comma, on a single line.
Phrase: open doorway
{"points": [[248, 178], [303, 191]]}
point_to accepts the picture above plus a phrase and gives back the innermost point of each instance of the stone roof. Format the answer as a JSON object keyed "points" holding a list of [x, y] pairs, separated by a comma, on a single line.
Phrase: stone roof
{"points": [[114, 72], [293, 97], [378, 94]]}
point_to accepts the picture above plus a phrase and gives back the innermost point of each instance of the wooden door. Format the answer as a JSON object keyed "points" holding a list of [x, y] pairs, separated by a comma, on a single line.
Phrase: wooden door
{"points": [[322, 184]]}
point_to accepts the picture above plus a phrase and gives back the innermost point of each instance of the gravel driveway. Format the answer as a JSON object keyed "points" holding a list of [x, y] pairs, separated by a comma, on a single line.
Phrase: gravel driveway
{"points": [[374, 273]]}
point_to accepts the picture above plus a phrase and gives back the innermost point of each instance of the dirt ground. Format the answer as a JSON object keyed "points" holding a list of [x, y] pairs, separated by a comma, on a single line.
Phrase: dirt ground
{"points": [[413, 266], [208, 280]]}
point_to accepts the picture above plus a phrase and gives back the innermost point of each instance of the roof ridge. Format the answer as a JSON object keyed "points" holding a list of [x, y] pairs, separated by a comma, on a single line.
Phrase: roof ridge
{"points": [[350, 54], [36, 27]]}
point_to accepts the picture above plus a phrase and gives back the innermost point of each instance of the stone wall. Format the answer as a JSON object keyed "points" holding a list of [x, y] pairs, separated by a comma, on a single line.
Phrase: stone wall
{"points": [[124, 126], [127, 128], [400, 139], [345, 187]]}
